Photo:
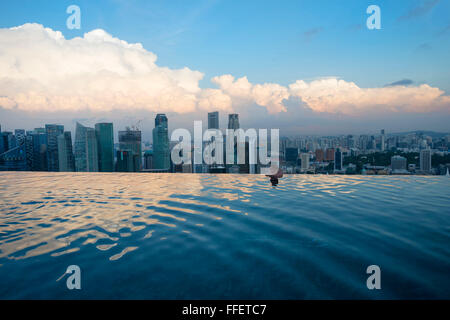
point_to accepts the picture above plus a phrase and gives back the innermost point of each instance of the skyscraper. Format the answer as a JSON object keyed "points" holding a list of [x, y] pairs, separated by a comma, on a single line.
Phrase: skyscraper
{"points": [[105, 145], [398, 164], [233, 121], [20, 136], [86, 153], [383, 140], [53, 131], [213, 120], [65, 153], [305, 161], [130, 141], [425, 160], [161, 156], [39, 151], [320, 156], [338, 160]]}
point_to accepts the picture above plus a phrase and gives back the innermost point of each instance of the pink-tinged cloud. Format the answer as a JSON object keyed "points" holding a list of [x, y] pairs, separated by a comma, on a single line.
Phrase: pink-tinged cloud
{"points": [[40, 70]]}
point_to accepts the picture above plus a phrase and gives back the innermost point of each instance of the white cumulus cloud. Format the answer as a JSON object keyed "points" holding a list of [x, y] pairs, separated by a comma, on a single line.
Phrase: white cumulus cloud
{"points": [[41, 70]]}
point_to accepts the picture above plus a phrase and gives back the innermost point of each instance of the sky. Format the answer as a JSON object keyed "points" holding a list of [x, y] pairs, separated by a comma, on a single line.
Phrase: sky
{"points": [[306, 67]]}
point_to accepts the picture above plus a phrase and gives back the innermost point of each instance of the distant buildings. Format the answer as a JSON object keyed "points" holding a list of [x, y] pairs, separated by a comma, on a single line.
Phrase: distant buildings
{"points": [[130, 151], [161, 152], [399, 165], [104, 134], [383, 140], [213, 120], [86, 151], [233, 121], [305, 161], [338, 160], [53, 131], [291, 155], [425, 161], [65, 153], [320, 155], [329, 155]]}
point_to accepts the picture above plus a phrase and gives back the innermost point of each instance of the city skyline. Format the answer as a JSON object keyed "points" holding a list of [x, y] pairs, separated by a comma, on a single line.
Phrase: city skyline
{"points": [[309, 72]]}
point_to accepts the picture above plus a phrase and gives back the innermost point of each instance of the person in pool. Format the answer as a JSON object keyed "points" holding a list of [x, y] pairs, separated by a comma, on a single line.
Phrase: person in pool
{"points": [[274, 177]]}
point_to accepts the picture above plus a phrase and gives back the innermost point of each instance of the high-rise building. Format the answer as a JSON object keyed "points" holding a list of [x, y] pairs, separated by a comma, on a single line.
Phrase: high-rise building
{"points": [[105, 145], [305, 161], [130, 141], [39, 151], [425, 160], [383, 140], [86, 151], [338, 160], [161, 152], [398, 164], [329, 154], [213, 120], [53, 131], [291, 155], [148, 159], [20, 136], [233, 121], [65, 152], [320, 155]]}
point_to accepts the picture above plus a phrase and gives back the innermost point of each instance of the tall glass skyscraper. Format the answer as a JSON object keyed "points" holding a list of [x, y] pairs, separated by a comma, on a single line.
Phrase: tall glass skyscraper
{"points": [[213, 120], [39, 151], [65, 153], [233, 121], [53, 131], [86, 152], [161, 156], [105, 145], [338, 160], [130, 146]]}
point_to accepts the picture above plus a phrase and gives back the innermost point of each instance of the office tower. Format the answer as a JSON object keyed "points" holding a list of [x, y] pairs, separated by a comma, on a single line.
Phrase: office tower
{"points": [[338, 160], [320, 155], [39, 151], [213, 120], [20, 136], [161, 156], [398, 164], [330, 154], [425, 160], [53, 131], [126, 161], [233, 121], [305, 161], [130, 141], [383, 142], [86, 152], [148, 159], [105, 145], [65, 153], [291, 155]]}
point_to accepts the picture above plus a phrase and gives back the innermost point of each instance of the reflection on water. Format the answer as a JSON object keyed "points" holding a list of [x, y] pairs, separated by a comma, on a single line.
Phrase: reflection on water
{"points": [[223, 236]]}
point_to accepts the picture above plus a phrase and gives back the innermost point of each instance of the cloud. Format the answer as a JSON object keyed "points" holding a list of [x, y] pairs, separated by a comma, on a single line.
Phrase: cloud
{"points": [[404, 82], [270, 95], [340, 96], [41, 71], [421, 10]]}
